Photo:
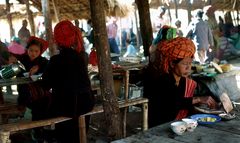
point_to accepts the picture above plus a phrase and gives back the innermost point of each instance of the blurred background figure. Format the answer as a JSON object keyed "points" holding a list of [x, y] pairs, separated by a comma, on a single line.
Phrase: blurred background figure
{"points": [[131, 50], [76, 22], [15, 47], [112, 29], [201, 34], [161, 20], [24, 33], [179, 32]]}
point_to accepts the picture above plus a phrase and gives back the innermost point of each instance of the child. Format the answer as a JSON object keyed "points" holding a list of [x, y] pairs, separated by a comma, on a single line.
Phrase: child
{"points": [[31, 95]]}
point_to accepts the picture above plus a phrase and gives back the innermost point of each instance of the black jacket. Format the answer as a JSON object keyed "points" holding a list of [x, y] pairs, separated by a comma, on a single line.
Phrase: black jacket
{"points": [[67, 76]]}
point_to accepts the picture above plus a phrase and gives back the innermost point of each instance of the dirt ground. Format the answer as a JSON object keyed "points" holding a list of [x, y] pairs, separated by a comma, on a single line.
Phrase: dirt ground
{"points": [[96, 132]]}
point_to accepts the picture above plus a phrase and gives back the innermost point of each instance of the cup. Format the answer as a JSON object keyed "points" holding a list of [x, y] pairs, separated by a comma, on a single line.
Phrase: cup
{"points": [[178, 127], [191, 124]]}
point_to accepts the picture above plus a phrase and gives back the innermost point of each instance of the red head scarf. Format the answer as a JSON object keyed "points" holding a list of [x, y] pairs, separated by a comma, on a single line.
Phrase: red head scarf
{"points": [[38, 41], [67, 35], [177, 48]]}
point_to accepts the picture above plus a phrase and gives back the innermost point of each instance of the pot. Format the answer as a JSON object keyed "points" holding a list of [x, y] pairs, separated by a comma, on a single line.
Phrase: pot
{"points": [[11, 70]]}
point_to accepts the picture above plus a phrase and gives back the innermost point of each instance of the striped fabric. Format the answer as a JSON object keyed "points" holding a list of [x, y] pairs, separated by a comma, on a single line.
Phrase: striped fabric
{"points": [[189, 90]]}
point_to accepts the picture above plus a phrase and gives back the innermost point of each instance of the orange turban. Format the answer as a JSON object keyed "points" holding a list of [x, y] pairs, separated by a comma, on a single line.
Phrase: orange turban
{"points": [[177, 48], [67, 35]]}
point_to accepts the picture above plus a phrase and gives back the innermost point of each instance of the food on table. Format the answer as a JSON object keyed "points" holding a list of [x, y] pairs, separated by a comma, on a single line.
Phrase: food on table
{"points": [[207, 119]]}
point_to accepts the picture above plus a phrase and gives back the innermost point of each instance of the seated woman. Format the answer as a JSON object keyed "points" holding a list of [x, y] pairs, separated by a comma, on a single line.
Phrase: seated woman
{"points": [[131, 50], [170, 93]]}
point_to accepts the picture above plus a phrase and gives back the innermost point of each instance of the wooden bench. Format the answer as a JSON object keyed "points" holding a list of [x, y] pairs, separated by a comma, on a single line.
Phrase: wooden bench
{"points": [[7, 129], [122, 104]]}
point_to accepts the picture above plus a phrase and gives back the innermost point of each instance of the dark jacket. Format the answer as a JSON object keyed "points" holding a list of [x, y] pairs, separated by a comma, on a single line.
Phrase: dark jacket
{"points": [[67, 76], [23, 89], [165, 98]]}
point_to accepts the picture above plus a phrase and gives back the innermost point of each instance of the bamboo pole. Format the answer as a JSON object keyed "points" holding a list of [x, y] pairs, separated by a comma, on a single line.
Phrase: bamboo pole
{"points": [[9, 18], [30, 17]]}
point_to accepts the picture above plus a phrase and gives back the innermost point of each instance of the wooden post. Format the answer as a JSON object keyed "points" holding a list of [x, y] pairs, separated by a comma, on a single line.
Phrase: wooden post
{"points": [[126, 81], [30, 18], [145, 116], [176, 8], [145, 24], [82, 129], [9, 18], [109, 98], [189, 8], [55, 10], [4, 137], [48, 25], [136, 24]]}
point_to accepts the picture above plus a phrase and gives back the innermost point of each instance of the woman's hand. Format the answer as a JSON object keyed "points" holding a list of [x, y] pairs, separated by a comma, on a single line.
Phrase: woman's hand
{"points": [[209, 101], [33, 70]]}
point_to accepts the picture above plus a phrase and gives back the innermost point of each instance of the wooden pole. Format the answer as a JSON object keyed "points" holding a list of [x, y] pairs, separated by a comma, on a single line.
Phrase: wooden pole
{"points": [[55, 10], [189, 8], [110, 103], [136, 24], [145, 116], [82, 129], [9, 18], [145, 24], [176, 8], [30, 18], [48, 25]]}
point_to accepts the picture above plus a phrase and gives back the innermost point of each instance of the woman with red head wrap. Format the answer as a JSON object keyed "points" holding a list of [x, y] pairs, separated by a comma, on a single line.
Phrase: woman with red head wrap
{"points": [[67, 76], [175, 67]]}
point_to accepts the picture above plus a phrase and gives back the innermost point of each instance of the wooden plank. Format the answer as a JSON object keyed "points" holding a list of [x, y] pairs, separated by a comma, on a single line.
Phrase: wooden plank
{"points": [[12, 127]]}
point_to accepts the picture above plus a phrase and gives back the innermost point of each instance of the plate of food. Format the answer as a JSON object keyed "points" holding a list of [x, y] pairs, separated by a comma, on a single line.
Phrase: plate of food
{"points": [[206, 118], [205, 109]]}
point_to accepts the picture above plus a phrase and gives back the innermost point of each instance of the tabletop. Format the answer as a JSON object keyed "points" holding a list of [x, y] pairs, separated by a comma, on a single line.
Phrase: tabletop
{"points": [[220, 132], [15, 81]]}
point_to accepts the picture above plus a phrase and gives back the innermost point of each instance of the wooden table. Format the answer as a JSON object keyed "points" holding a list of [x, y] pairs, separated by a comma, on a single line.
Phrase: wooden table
{"points": [[221, 132]]}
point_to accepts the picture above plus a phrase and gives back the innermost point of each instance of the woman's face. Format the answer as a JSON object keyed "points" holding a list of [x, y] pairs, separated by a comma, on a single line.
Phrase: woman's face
{"points": [[34, 51], [183, 68]]}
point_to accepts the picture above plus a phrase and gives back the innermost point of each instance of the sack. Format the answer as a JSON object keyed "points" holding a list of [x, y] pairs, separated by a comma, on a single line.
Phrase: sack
{"points": [[37, 92]]}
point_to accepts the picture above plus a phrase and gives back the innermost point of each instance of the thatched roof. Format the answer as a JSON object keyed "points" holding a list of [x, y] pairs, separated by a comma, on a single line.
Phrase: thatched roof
{"points": [[183, 4], [73, 9]]}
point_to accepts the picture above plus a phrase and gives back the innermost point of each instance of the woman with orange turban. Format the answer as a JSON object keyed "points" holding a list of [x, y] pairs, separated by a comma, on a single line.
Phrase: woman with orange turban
{"points": [[67, 76], [171, 93]]}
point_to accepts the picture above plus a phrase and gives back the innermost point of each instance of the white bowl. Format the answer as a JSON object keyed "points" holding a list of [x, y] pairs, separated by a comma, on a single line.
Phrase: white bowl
{"points": [[191, 124], [178, 127]]}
